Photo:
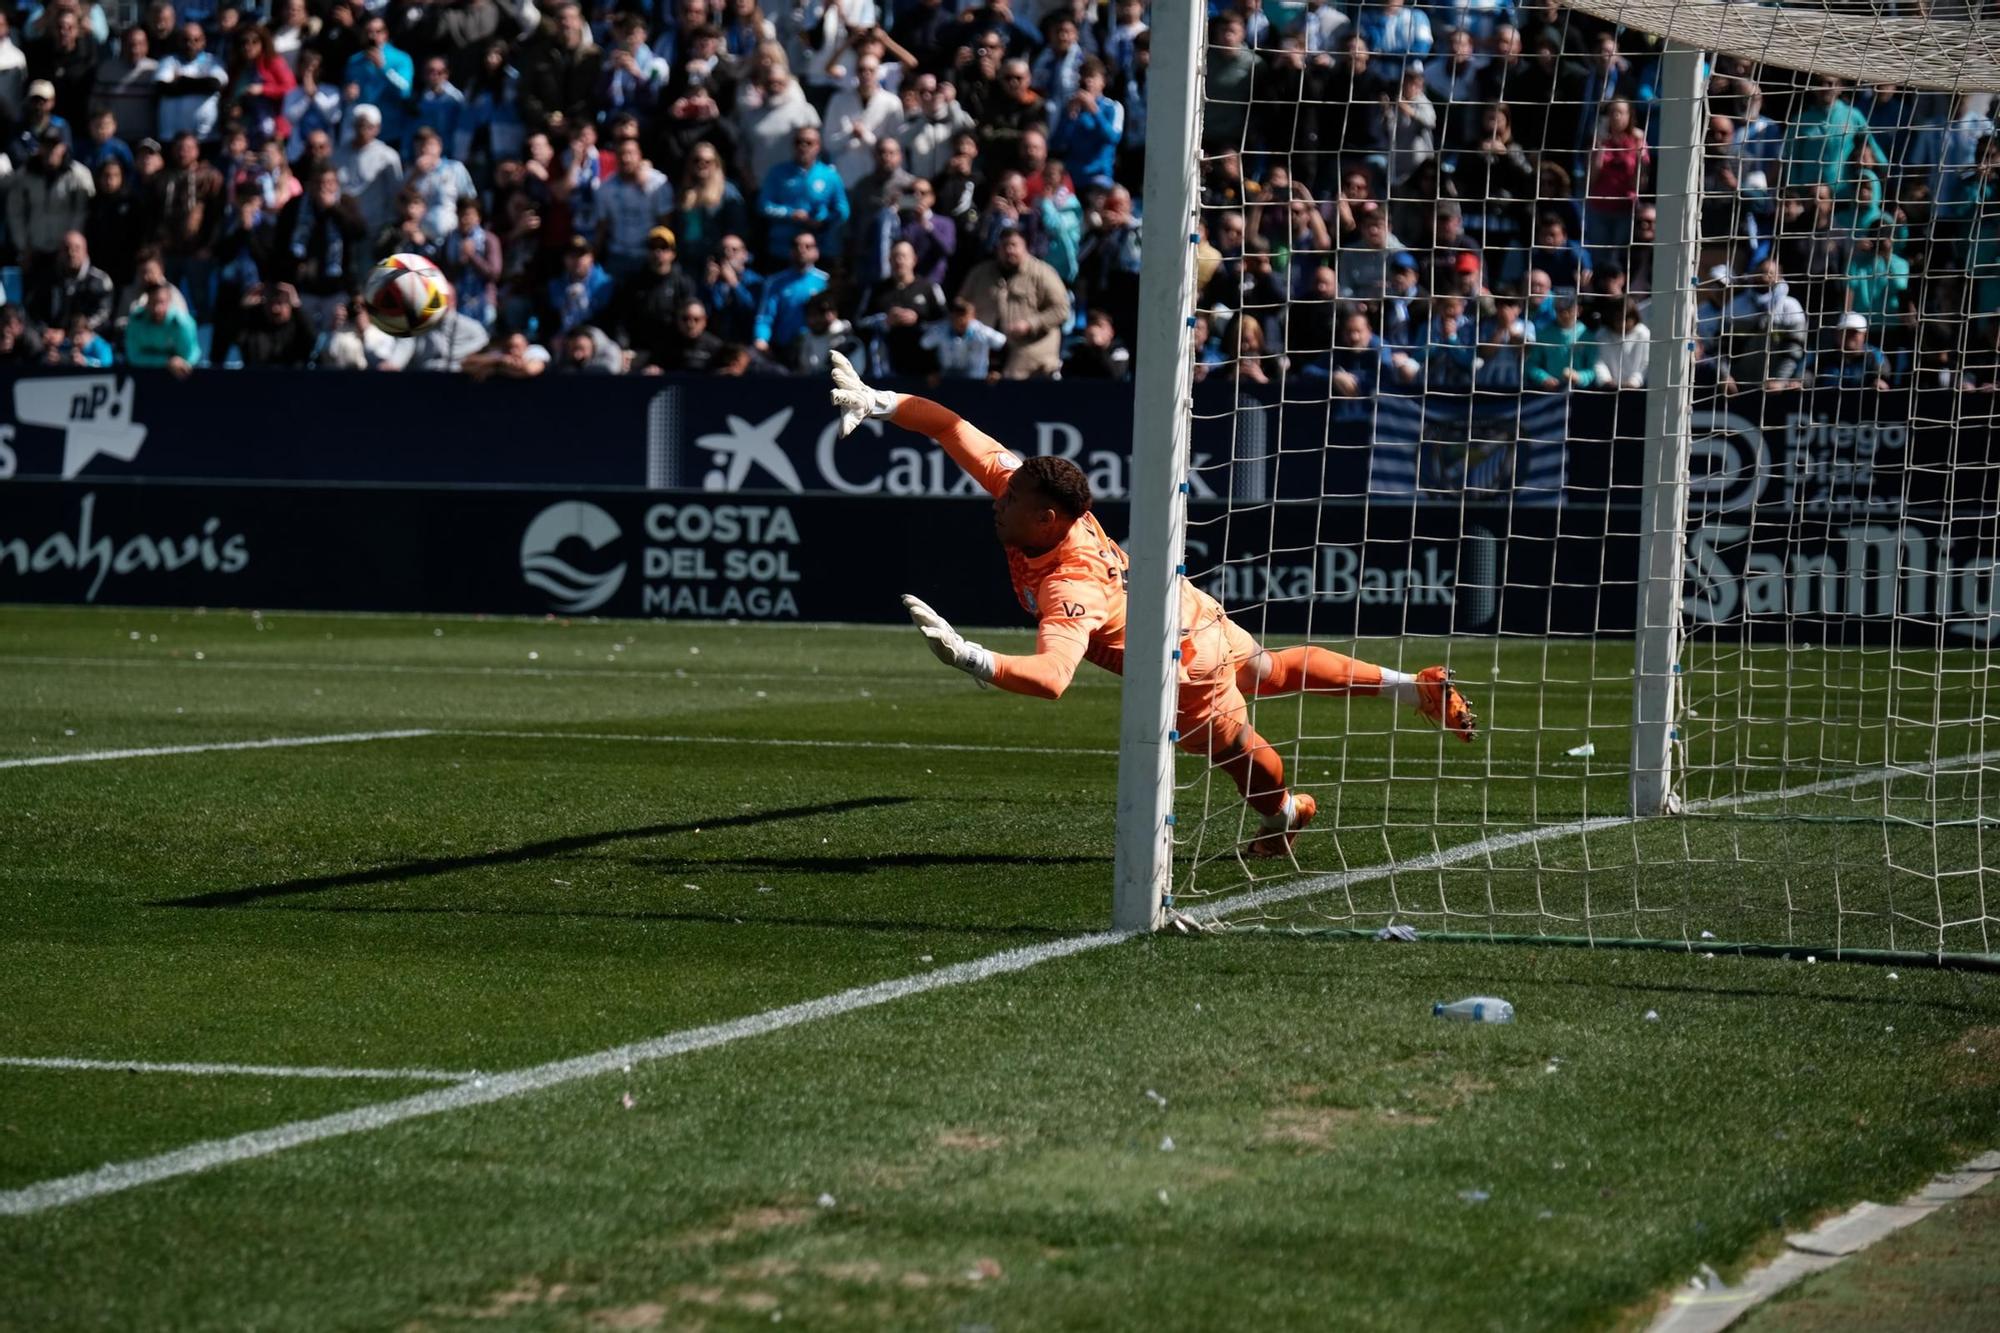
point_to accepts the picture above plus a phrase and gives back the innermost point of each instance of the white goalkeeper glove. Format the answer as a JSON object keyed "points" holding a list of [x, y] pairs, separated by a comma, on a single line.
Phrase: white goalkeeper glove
{"points": [[855, 400], [947, 644]]}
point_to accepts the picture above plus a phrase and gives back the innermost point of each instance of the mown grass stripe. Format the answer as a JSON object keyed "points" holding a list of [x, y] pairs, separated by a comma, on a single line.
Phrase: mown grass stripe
{"points": [[708, 676], [118, 1176], [1318, 884], [213, 747], [209, 1069]]}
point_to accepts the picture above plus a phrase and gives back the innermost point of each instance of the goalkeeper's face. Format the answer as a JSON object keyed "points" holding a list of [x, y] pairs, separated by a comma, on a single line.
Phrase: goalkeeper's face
{"points": [[1026, 520]]}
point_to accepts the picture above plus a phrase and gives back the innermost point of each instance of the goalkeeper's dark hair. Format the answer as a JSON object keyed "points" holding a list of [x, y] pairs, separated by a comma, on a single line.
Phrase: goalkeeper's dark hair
{"points": [[1058, 481]]}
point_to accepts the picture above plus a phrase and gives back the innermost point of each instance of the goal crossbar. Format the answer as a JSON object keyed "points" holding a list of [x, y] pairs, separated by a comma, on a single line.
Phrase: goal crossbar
{"points": [[1940, 54]]}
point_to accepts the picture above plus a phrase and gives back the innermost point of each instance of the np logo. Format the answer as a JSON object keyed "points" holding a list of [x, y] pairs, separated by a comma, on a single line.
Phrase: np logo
{"points": [[93, 412], [568, 531]]}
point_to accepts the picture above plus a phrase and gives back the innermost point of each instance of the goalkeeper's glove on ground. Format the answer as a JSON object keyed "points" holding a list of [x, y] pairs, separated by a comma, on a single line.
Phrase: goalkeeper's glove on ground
{"points": [[854, 400], [947, 644]]}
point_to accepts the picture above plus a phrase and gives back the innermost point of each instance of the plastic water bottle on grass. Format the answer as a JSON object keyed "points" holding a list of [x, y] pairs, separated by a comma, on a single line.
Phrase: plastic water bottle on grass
{"points": [[1476, 1009]]}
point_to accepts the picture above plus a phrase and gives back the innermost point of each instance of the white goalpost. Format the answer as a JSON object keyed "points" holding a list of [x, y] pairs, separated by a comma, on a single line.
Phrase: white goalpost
{"points": [[1639, 361], [1161, 423]]}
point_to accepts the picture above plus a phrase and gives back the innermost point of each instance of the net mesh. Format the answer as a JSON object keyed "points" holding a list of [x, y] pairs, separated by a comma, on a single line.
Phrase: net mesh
{"points": [[1424, 341]]}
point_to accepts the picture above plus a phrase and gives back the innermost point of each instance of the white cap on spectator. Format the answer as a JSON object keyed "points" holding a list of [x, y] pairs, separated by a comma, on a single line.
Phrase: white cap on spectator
{"points": [[1853, 319], [369, 112], [43, 89]]}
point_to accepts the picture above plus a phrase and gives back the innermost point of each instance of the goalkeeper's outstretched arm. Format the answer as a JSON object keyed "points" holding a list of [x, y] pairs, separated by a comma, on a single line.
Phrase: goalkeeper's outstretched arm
{"points": [[984, 458], [1042, 674], [1069, 616]]}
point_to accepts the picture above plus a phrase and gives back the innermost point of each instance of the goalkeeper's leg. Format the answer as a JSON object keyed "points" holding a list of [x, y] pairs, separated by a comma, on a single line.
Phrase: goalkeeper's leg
{"points": [[1213, 723], [1261, 673]]}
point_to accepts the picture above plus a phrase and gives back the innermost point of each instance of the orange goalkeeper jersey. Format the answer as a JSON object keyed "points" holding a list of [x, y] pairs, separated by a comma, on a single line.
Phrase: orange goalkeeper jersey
{"points": [[1076, 591]]}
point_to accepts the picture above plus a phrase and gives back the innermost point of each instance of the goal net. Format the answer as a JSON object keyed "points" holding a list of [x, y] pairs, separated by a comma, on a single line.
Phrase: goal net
{"points": [[1640, 363]]}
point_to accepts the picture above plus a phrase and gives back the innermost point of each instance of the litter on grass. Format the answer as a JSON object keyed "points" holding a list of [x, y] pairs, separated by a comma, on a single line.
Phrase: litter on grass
{"points": [[1406, 934], [1583, 751]]}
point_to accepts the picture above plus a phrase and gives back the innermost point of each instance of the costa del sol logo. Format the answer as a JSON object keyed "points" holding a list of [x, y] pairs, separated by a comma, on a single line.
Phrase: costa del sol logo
{"points": [[586, 530]]}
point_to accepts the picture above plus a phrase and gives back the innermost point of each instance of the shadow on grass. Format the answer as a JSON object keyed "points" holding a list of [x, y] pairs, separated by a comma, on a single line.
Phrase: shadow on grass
{"points": [[903, 927], [439, 865]]}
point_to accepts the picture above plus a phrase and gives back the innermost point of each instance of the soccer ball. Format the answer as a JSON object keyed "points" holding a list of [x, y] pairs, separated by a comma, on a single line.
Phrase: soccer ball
{"points": [[406, 295]]}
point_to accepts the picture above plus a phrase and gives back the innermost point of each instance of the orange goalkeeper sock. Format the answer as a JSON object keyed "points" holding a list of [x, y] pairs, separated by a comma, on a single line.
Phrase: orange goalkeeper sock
{"points": [[1258, 773], [1318, 671]]}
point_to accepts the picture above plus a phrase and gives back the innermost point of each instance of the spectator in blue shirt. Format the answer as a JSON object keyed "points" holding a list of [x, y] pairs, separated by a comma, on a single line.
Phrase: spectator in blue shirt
{"points": [[1057, 71], [803, 196], [782, 312], [105, 145], [963, 346], [1394, 30], [162, 336], [1449, 343], [1088, 131], [37, 117], [441, 107], [1562, 354], [580, 295], [734, 292], [77, 344], [1825, 135], [1856, 363], [1541, 307], [632, 74], [1359, 358], [1565, 261], [383, 77]]}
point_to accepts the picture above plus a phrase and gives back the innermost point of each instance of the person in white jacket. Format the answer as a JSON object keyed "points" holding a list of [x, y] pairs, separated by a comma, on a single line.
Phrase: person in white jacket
{"points": [[927, 133], [46, 200], [767, 114], [1623, 346], [857, 118]]}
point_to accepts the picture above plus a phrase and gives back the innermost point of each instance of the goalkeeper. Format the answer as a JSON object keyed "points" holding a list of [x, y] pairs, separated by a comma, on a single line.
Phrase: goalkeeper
{"points": [[1071, 576]]}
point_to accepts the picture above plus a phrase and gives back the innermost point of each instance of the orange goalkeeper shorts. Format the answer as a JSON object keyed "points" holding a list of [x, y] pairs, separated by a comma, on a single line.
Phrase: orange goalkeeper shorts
{"points": [[1211, 713]]}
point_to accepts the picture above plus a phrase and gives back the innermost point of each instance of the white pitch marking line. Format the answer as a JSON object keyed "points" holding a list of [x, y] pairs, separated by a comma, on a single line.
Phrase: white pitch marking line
{"points": [[213, 747], [1318, 884], [711, 676], [1831, 1242], [251, 1071], [913, 746], [119, 1176]]}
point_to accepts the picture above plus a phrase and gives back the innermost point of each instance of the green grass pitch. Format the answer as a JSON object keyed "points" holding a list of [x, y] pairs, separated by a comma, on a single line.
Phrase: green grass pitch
{"points": [[1247, 1129]]}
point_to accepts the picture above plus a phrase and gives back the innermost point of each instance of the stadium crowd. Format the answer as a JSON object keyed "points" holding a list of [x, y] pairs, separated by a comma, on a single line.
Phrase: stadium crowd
{"points": [[1405, 198]]}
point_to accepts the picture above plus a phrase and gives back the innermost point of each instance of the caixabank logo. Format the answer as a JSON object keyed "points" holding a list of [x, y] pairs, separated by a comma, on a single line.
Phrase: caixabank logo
{"points": [[93, 413]]}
